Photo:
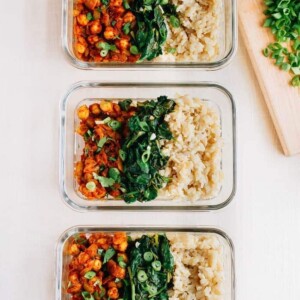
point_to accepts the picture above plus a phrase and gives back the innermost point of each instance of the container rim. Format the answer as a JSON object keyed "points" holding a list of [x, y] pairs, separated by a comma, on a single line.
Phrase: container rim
{"points": [[212, 66], [62, 148], [145, 228]]}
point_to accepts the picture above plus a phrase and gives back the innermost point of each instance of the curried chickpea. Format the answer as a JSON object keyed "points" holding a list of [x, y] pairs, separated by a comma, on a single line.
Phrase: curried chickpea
{"points": [[116, 3], [106, 106], [82, 19], [91, 4], [80, 48], [93, 39], [110, 33], [92, 250], [113, 293], [76, 12], [95, 109], [83, 112], [129, 17], [123, 44], [74, 250], [95, 27], [97, 265], [122, 247]]}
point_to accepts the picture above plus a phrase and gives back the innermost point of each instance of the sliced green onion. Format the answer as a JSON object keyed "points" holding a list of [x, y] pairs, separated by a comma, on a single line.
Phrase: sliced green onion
{"points": [[266, 52], [148, 256], [156, 265], [285, 67], [114, 124], [152, 289], [91, 186], [142, 276], [103, 53], [296, 81]]}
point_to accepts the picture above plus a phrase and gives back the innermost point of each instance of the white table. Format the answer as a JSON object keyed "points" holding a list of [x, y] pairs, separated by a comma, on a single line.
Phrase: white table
{"points": [[263, 220]]}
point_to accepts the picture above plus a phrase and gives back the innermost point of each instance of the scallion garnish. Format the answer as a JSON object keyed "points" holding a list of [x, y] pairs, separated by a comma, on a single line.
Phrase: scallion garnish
{"points": [[283, 18]]}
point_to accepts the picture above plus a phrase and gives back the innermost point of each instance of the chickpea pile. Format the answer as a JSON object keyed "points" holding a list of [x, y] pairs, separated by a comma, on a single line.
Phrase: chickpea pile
{"points": [[96, 269], [103, 125], [102, 31]]}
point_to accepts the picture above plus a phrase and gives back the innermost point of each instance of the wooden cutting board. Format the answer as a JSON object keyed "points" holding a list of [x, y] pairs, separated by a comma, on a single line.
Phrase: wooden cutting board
{"points": [[282, 100]]}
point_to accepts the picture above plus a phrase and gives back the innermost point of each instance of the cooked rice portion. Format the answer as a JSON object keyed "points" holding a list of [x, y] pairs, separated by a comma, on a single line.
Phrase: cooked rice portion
{"points": [[198, 37], [195, 151], [199, 270]]}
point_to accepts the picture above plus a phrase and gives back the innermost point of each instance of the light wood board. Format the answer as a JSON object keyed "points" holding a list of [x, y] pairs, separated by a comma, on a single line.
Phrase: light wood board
{"points": [[282, 100]]}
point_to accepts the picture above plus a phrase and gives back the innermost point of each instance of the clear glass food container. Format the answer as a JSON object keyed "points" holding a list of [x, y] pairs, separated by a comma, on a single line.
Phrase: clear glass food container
{"points": [[63, 258], [71, 144], [227, 40]]}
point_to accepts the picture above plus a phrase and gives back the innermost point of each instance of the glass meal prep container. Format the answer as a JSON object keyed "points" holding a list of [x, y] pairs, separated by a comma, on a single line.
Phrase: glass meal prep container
{"points": [[227, 43], [71, 144], [63, 258]]}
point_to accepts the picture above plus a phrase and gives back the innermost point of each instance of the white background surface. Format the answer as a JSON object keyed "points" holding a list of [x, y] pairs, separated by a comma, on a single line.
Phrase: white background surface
{"points": [[263, 220]]}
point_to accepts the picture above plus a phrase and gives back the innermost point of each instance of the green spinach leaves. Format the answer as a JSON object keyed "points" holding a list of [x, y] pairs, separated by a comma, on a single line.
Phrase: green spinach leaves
{"points": [[144, 159], [151, 268], [151, 33]]}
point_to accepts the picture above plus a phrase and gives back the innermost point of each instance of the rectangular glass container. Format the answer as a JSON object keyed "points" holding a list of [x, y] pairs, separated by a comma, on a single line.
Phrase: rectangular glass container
{"points": [[227, 37], [71, 146], [63, 258]]}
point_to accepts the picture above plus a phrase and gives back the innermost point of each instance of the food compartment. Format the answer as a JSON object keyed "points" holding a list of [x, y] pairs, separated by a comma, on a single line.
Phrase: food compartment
{"points": [[134, 34], [93, 256], [215, 158]]}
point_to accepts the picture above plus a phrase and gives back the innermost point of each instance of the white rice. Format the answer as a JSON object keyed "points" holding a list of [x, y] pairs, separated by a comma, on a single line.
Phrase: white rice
{"points": [[198, 37], [199, 270], [195, 152]]}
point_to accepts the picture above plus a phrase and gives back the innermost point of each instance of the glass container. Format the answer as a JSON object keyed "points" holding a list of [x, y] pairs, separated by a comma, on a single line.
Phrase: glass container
{"points": [[227, 40], [71, 144], [63, 258]]}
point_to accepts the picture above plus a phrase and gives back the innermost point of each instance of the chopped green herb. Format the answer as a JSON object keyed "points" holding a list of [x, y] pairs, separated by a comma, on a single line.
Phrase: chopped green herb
{"points": [[126, 28], [101, 143], [134, 50], [114, 173], [125, 104], [106, 46], [104, 181], [90, 275], [89, 16], [121, 262], [87, 296], [110, 252], [122, 154], [79, 239], [100, 252]]}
